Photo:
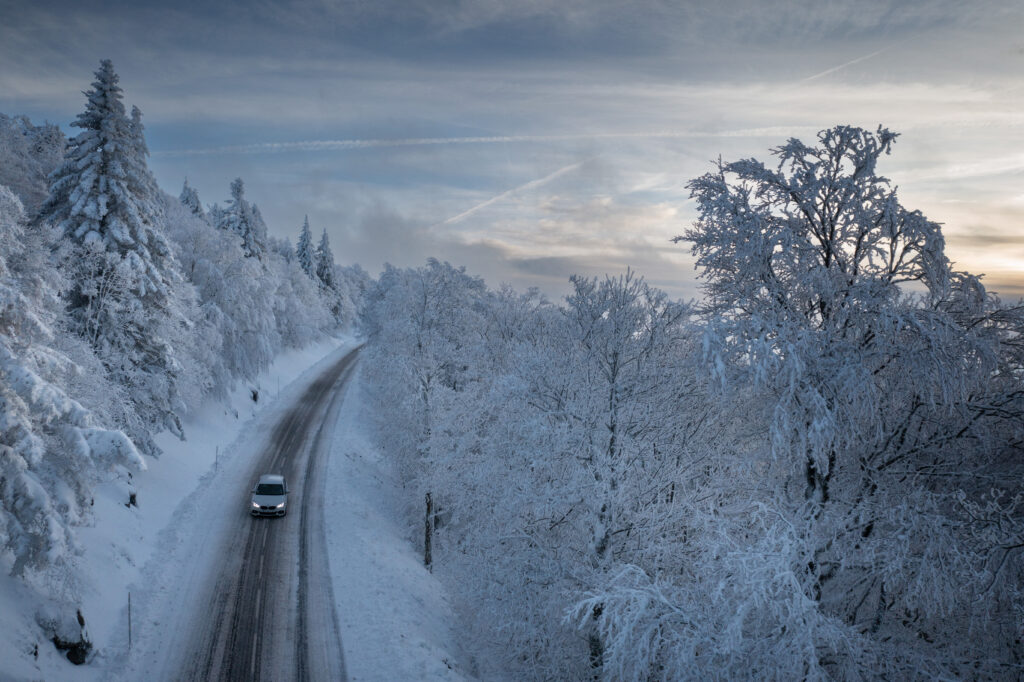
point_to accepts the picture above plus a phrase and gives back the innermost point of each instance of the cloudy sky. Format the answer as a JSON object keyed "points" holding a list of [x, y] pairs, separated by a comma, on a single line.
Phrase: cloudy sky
{"points": [[533, 139]]}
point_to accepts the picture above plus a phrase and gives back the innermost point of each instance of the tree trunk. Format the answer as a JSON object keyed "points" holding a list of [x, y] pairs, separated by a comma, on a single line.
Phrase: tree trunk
{"points": [[595, 645], [428, 560]]}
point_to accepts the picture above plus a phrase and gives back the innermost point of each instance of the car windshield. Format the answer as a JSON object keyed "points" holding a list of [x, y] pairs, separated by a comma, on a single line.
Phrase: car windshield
{"points": [[270, 489]]}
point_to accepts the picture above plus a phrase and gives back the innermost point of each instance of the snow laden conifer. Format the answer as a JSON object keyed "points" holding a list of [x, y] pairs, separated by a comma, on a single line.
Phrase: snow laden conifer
{"points": [[243, 218], [304, 250], [325, 262], [135, 161], [50, 449], [104, 193], [121, 297], [189, 198]]}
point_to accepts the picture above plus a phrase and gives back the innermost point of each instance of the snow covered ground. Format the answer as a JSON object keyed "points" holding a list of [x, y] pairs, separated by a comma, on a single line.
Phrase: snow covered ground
{"points": [[393, 614]]}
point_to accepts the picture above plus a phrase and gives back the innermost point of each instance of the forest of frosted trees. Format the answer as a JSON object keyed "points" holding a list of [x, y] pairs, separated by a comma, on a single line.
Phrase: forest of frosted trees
{"points": [[117, 296], [815, 472]]}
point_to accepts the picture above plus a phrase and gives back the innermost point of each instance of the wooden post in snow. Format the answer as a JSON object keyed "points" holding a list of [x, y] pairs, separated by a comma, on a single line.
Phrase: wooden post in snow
{"points": [[427, 559]]}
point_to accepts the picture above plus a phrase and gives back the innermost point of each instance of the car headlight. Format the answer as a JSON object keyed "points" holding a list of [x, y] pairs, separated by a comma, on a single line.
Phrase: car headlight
{"points": [[280, 506], [255, 505]]}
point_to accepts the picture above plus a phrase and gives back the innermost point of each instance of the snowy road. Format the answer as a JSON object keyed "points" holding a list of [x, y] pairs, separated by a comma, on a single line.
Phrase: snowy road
{"points": [[269, 614], [225, 596]]}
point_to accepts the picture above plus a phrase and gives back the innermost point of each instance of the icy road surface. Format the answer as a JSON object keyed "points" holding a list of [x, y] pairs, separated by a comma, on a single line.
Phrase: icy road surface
{"points": [[259, 602], [271, 613]]}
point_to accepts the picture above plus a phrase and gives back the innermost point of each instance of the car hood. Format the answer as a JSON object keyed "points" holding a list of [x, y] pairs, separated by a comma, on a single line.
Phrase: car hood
{"points": [[269, 500]]}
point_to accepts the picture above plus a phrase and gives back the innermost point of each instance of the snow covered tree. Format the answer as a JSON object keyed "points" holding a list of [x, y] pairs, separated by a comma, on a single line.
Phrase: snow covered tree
{"points": [[549, 437], [135, 161], [215, 215], [304, 250], [282, 247], [325, 262], [233, 292], [104, 192], [626, 335], [122, 297], [300, 310], [812, 259], [878, 396], [243, 219], [425, 315], [190, 199], [51, 451], [28, 154]]}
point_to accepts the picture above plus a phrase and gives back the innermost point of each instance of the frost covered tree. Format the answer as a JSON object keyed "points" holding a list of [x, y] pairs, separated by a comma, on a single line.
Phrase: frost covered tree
{"points": [[626, 336], [810, 256], [282, 247], [243, 219], [122, 296], [233, 291], [549, 437], [304, 250], [880, 390], [325, 262], [189, 198], [51, 450], [135, 160], [248, 309], [104, 193], [301, 311], [425, 315], [28, 154]]}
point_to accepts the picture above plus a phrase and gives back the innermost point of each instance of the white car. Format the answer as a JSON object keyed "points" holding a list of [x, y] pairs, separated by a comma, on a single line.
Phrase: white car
{"points": [[270, 496]]}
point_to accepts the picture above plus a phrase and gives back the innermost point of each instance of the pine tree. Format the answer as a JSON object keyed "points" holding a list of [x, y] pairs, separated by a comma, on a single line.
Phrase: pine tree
{"points": [[244, 219], [325, 262], [121, 298], [256, 239], [136, 160], [104, 193], [304, 249], [189, 198]]}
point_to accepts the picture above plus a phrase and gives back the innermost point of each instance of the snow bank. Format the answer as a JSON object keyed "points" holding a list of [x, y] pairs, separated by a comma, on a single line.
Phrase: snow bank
{"points": [[393, 614]]}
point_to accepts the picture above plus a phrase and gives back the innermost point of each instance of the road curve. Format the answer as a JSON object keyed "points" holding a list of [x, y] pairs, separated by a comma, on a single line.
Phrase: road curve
{"points": [[271, 613]]}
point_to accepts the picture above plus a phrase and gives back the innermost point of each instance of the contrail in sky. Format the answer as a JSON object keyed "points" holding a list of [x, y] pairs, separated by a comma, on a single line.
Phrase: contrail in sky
{"points": [[843, 66], [504, 195], [338, 145], [342, 145]]}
